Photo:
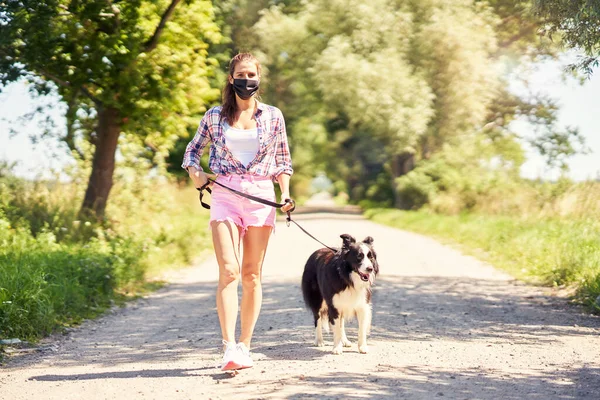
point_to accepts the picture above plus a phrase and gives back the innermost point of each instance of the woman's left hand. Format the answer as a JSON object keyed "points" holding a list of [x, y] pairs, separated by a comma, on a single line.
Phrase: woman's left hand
{"points": [[285, 198]]}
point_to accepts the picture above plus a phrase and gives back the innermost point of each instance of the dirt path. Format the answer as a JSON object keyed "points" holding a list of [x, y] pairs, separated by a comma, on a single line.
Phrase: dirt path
{"points": [[445, 326]]}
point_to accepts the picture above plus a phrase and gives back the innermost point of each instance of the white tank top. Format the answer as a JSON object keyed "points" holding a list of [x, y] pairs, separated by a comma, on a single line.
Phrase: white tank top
{"points": [[243, 143]]}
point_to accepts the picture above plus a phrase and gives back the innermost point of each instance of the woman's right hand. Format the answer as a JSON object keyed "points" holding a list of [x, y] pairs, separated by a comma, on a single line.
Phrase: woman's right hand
{"points": [[199, 177]]}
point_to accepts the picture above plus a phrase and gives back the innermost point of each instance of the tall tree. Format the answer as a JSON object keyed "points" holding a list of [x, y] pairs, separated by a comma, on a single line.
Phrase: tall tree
{"points": [[413, 74], [139, 68]]}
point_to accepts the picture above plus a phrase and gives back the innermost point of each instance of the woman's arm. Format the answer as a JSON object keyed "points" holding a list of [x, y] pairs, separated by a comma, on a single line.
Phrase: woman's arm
{"points": [[194, 150], [284, 184], [283, 158], [284, 163]]}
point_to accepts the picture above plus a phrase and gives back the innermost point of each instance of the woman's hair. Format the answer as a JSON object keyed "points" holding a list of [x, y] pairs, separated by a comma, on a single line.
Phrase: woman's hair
{"points": [[228, 110]]}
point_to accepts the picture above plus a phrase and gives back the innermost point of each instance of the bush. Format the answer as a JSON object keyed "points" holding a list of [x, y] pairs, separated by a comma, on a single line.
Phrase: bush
{"points": [[415, 190], [44, 284], [56, 270]]}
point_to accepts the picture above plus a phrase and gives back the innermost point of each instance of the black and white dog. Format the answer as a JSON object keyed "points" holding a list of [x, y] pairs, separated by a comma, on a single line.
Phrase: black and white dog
{"points": [[337, 286]]}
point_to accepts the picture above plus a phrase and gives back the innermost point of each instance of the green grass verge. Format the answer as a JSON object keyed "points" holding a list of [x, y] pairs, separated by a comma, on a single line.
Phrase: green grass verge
{"points": [[53, 276], [551, 252]]}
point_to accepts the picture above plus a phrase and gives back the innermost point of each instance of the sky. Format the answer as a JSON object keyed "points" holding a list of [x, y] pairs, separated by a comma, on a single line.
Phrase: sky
{"points": [[580, 107], [45, 157]]}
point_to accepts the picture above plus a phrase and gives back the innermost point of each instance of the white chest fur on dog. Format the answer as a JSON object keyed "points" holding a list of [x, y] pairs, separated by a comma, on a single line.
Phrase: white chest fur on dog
{"points": [[351, 303], [352, 299]]}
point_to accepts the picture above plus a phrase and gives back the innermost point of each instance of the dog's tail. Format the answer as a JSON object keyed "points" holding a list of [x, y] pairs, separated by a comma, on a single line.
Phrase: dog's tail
{"points": [[310, 290], [310, 286]]}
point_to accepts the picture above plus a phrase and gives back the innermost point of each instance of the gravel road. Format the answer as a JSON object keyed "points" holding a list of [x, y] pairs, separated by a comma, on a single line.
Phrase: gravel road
{"points": [[444, 326]]}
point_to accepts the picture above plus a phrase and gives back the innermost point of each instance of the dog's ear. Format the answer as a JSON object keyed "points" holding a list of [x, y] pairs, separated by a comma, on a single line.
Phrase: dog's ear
{"points": [[368, 240], [348, 240]]}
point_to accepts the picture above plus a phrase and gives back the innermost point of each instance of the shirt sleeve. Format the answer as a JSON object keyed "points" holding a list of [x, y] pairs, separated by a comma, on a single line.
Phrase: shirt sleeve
{"points": [[194, 149], [283, 159]]}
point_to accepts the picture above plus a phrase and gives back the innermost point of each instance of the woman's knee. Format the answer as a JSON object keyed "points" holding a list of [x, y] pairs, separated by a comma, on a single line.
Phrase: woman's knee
{"points": [[229, 275], [251, 275]]}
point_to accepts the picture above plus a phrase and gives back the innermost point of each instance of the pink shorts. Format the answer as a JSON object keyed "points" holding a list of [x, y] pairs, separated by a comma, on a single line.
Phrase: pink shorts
{"points": [[228, 206]]}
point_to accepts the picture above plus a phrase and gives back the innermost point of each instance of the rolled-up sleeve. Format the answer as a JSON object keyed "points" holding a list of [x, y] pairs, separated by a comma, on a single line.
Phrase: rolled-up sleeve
{"points": [[283, 157], [194, 149]]}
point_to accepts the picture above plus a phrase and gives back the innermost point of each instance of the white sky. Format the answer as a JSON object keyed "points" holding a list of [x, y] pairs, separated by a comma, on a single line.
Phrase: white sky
{"points": [[580, 107], [32, 160]]}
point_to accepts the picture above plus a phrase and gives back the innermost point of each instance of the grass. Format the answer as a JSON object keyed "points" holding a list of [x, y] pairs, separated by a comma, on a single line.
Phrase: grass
{"points": [[548, 251], [56, 271]]}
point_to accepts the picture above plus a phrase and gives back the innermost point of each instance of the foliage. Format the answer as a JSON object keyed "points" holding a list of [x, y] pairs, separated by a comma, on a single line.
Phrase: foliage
{"points": [[104, 52], [476, 177], [404, 77], [236, 19], [56, 270], [577, 23], [416, 189], [143, 65], [43, 283], [517, 29], [458, 176]]}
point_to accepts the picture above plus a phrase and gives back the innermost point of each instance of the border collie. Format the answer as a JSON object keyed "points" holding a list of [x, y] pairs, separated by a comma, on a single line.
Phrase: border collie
{"points": [[337, 285]]}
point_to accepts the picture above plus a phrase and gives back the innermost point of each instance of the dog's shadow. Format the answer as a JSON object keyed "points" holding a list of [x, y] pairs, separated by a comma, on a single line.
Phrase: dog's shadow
{"points": [[302, 351], [298, 351]]}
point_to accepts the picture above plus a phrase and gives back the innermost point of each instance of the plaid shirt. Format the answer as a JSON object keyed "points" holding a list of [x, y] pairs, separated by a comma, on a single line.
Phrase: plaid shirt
{"points": [[273, 157]]}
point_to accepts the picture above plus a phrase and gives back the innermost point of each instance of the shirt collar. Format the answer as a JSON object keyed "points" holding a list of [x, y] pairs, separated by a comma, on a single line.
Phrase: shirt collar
{"points": [[260, 107]]}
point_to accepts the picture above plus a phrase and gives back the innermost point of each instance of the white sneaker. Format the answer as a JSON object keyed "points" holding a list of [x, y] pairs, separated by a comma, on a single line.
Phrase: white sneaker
{"points": [[243, 356], [230, 357]]}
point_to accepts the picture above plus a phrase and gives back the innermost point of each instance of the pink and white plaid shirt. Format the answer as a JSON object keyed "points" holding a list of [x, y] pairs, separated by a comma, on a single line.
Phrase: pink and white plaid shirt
{"points": [[273, 157]]}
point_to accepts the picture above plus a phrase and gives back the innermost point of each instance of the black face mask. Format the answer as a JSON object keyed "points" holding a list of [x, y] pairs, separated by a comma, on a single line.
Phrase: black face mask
{"points": [[245, 88]]}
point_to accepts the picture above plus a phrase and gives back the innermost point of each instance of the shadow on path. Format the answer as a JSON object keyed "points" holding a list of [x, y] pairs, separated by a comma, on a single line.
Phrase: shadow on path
{"points": [[416, 384], [181, 320]]}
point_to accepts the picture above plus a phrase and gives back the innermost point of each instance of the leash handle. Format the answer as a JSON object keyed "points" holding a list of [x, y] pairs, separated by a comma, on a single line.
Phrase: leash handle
{"points": [[286, 201], [201, 190]]}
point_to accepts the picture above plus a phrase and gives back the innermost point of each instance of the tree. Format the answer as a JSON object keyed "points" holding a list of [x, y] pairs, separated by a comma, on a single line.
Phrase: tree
{"points": [[577, 23], [412, 74], [139, 69]]}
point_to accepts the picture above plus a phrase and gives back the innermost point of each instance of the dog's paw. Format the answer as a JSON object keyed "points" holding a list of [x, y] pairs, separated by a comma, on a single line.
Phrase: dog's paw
{"points": [[338, 349], [364, 349], [319, 343], [346, 343]]}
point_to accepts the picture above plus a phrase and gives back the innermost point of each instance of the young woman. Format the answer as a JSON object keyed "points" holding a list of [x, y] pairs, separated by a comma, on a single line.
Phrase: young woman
{"points": [[249, 150]]}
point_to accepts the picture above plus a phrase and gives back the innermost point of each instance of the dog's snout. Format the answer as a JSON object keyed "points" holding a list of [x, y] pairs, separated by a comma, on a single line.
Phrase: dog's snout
{"points": [[369, 269]]}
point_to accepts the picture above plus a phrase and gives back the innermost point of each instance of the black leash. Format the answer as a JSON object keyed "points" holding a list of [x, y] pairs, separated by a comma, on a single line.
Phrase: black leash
{"points": [[259, 200], [248, 196], [289, 219]]}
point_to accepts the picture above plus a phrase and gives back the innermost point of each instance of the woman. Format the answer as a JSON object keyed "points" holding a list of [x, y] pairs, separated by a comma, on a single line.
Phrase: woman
{"points": [[249, 150]]}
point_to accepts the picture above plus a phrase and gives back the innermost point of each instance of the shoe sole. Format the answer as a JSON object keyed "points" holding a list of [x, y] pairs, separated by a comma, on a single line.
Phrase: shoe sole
{"points": [[231, 365]]}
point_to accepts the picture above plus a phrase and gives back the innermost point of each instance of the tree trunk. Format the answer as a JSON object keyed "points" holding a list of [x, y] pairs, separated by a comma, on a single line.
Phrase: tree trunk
{"points": [[402, 164], [103, 165]]}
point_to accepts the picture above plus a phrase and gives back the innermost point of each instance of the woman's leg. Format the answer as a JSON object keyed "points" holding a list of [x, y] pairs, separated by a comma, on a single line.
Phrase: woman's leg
{"points": [[255, 248], [226, 241]]}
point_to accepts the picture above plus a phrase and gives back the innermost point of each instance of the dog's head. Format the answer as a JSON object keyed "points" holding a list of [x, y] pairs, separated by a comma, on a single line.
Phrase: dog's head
{"points": [[361, 257]]}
